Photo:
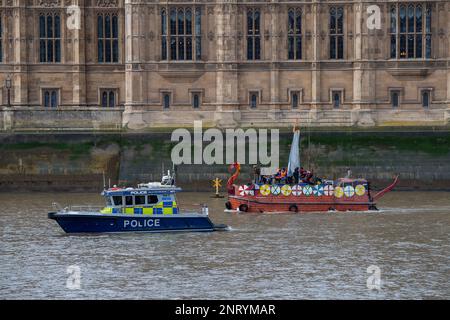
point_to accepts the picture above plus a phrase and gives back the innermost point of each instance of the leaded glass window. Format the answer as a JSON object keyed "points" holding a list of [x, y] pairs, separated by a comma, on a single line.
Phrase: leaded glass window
{"points": [[49, 38]]}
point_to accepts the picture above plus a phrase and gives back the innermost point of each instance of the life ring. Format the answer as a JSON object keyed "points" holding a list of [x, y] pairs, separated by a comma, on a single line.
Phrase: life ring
{"points": [[318, 190], [338, 192], [264, 190], [349, 191], [307, 190], [328, 190], [243, 207], [275, 190], [242, 190], [297, 190], [228, 205], [286, 190], [293, 208], [360, 190]]}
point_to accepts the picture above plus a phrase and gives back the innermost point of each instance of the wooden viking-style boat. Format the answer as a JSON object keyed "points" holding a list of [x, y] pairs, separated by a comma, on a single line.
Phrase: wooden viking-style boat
{"points": [[344, 194]]}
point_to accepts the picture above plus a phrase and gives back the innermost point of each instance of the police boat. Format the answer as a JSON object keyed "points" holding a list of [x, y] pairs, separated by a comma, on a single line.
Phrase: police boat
{"points": [[151, 207]]}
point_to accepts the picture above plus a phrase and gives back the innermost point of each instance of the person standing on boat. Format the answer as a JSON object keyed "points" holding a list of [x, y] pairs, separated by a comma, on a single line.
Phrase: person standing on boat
{"points": [[277, 176], [349, 173], [296, 175], [283, 175], [256, 173]]}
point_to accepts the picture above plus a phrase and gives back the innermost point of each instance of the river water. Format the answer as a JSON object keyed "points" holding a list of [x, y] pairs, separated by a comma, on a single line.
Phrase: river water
{"points": [[264, 256]]}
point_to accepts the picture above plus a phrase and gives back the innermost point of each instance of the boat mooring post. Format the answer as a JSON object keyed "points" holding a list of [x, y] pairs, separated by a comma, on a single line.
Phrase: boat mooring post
{"points": [[217, 183]]}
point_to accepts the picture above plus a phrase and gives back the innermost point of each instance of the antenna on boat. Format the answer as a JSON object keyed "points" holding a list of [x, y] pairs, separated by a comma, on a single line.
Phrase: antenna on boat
{"points": [[109, 183], [173, 173], [104, 180]]}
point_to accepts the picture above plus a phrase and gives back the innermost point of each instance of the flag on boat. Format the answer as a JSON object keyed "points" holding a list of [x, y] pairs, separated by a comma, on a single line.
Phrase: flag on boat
{"points": [[294, 155]]}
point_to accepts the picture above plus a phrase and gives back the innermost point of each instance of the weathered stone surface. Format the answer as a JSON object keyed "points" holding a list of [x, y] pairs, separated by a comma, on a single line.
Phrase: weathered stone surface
{"points": [[75, 162], [222, 76]]}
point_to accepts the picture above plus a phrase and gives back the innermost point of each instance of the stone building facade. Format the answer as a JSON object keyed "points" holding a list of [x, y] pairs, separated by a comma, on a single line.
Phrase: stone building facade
{"points": [[109, 64]]}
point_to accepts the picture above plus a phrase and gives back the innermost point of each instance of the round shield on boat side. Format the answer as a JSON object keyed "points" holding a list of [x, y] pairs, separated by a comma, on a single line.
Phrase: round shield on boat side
{"points": [[360, 190], [307, 190], [297, 190], [338, 192], [286, 190], [275, 190], [242, 190], [349, 191], [318, 190], [328, 190], [264, 189]]}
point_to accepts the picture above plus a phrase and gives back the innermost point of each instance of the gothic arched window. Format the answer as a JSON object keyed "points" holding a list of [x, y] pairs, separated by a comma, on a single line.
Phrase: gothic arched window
{"points": [[395, 99], [112, 99], [50, 98], [336, 99], [180, 32], [253, 34], [49, 37], [410, 30], [336, 28], [253, 100], [166, 101], [1, 39], [54, 99], [425, 98], [47, 99], [294, 100], [196, 101], [108, 98], [107, 38], [294, 34]]}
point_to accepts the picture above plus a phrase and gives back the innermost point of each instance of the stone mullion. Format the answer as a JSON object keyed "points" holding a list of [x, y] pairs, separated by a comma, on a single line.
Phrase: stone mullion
{"points": [[78, 59], [19, 92], [447, 10], [129, 96], [226, 74], [315, 68], [358, 56], [274, 73]]}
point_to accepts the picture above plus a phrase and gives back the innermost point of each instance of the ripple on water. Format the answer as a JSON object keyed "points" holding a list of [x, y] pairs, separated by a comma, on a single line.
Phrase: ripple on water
{"points": [[287, 256]]}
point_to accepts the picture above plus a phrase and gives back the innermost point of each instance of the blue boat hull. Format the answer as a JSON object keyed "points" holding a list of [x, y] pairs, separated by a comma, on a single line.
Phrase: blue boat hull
{"points": [[86, 223]]}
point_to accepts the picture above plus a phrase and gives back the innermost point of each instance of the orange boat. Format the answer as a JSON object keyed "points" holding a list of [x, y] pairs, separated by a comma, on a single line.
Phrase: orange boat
{"points": [[344, 194]]}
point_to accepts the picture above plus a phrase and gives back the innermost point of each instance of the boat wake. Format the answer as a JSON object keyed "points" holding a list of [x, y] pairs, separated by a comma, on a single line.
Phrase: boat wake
{"points": [[415, 210]]}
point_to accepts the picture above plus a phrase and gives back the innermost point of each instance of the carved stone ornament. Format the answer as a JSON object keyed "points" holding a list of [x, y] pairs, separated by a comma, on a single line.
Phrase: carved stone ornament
{"points": [[106, 3], [48, 3]]}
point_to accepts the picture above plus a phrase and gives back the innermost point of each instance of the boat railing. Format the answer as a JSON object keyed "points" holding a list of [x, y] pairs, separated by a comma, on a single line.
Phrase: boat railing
{"points": [[84, 208], [57, 207]]}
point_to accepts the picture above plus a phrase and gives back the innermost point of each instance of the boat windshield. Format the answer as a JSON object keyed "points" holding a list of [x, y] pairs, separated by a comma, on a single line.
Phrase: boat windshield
{"points": [[117, 200]]}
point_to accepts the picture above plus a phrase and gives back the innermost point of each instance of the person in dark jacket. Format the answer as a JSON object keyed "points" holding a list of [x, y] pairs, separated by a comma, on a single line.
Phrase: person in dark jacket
{"points": [[296, 175], [256, 173]]}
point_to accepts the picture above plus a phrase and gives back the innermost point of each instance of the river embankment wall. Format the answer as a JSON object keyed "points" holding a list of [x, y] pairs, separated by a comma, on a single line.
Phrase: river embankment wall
{"points": [[87, 161]]}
